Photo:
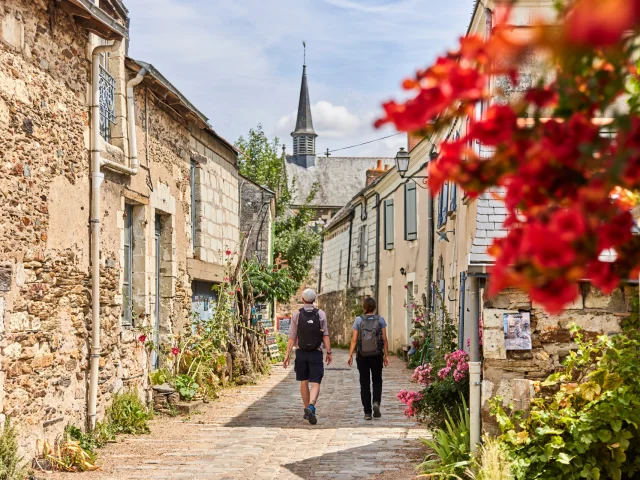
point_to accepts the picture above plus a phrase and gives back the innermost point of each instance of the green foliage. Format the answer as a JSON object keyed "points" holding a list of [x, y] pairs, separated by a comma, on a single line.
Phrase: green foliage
{"points": [[89, 442], [282, 341], [440, 397], [490, 462], [450, 445], [186, 386], [127, 414], [262, 160], [584, 422], [160, 376], [269, 284], [10, 462]]}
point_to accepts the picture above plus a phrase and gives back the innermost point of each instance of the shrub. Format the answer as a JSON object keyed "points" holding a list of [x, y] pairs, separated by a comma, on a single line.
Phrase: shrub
{"points": [[10, 462], [584, 421], [186, 386], [490, 462], [450, 446], [127, 414]]}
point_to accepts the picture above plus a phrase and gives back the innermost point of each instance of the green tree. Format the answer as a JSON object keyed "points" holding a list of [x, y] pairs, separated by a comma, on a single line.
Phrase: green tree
{"points": [[296, 241]]}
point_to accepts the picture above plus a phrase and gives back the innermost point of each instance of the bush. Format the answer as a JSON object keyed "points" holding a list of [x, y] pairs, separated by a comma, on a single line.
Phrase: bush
{"points": [[450, 445], [127, 414], [10, 462], [186, 386], [584, 421], [490, 462]]}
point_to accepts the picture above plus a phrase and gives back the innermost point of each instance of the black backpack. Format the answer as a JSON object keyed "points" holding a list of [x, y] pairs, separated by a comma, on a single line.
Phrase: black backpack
{"points": [[370, 336], [310, 333]]}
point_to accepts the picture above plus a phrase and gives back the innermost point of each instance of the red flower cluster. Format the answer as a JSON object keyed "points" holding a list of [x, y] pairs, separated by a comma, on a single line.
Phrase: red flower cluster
{"points": [[566, 185]]}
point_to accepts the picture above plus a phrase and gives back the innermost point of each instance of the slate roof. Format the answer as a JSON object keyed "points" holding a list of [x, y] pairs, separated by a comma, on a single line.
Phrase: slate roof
{"points": [[489, 224], [339, 178], [304, 122]]}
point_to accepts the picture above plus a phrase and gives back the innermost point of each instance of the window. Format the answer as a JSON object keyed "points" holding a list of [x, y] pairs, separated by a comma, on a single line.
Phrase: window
{"points": [[388, 224], [193, 203], [127, 288], [107, 89], [410, 212], [362, 241]]}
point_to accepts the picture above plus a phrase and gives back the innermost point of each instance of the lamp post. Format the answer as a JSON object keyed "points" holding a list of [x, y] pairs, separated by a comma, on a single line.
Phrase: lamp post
{"points": [[402, 164]]}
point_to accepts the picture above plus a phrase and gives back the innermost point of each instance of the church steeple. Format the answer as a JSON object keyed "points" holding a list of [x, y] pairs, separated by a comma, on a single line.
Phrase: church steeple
{"points": [[304, 137]]}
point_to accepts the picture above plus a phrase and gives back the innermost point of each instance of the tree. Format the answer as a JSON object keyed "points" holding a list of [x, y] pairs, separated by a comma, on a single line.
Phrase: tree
{"points": [[570, 181], [295, 240]]}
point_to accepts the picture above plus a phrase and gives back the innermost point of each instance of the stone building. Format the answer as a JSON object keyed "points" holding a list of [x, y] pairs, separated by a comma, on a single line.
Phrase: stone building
{"points": [[257, 214], [92, 254]]}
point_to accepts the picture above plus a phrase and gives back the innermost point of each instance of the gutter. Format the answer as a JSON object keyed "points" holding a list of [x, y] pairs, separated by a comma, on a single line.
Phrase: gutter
{"points": [[376, 292], [102, 17], [351, 215]]}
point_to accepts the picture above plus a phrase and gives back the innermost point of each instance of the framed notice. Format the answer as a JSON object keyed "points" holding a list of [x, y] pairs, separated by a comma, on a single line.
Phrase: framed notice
{"points": [[271, 339], [517, 331], [284, 325]]}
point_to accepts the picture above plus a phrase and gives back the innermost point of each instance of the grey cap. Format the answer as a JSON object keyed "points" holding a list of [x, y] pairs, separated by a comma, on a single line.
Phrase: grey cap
{"points": [[309, 296]]}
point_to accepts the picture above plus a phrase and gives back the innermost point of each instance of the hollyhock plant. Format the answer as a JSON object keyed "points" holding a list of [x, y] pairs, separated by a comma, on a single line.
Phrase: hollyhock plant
{"points": [[175, 351], [567, 176], [142, 338]]}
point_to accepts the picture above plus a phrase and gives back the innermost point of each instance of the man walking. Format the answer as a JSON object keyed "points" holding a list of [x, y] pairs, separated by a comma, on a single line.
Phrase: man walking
{"points": [[309, 331]]}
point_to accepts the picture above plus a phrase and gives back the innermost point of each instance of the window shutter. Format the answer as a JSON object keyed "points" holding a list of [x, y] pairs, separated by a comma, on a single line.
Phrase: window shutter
{"points": [[388, 225], [127, 287], [454, 194], [362, 254], [410, 213]]}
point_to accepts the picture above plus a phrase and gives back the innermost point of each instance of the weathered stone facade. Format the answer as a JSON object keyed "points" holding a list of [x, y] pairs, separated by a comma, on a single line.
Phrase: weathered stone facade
{"points": [[257, 214], [146, 227], [504, 371]]}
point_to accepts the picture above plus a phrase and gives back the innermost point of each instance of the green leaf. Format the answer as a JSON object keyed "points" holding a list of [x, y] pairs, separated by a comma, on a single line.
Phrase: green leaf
{"points": [[590, 390], [564, 458], [604, 435]]}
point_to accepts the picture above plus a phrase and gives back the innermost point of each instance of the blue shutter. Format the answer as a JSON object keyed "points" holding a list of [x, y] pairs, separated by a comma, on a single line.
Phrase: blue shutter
{"points": [[388, 225]]}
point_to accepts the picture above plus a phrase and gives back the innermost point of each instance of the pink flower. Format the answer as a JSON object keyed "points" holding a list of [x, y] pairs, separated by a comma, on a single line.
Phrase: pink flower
{"points": [[226, 279], [267, 332], [142, 338], [175, 351], [227, 253], [422, 374], [410, 399], [406, 286]]}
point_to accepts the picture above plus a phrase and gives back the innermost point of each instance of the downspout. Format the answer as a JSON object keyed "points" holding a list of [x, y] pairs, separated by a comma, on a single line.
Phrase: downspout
{"points": [[376, 292], [320, 269], [351, 215], [96, 181], [475, 366]]}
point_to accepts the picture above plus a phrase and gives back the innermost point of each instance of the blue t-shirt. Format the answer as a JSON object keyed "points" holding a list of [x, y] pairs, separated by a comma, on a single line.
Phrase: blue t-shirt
{"points": [[356, 324]]}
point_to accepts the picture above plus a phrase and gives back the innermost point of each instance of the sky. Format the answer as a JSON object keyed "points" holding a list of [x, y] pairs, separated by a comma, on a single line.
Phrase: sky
{"points": [[240, 61]]}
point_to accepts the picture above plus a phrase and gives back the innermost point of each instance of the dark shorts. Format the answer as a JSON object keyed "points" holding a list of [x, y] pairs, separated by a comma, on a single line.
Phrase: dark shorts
{"points": [[309, 366]]}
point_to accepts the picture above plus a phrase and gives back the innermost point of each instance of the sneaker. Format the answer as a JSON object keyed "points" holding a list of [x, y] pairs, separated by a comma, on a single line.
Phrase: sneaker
{"points": [[311, 412], [306, 417], [376, 410], [367, 416]]}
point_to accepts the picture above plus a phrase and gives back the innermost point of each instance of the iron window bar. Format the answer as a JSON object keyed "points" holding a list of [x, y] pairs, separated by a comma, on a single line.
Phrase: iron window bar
{"points": [[107, 87]]}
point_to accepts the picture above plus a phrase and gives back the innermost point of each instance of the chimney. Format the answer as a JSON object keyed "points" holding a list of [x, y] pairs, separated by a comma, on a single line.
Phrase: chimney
{"points": [[374, 173], [413, 140]]}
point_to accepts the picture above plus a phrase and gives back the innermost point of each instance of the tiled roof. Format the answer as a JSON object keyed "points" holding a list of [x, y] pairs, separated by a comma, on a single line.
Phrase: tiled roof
{"points": [[339, 179]]}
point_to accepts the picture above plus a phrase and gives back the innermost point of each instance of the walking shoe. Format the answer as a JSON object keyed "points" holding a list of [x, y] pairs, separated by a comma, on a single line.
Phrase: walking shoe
{"points": [[306, 417], [311, 412], [376, 410], [367, 416]]}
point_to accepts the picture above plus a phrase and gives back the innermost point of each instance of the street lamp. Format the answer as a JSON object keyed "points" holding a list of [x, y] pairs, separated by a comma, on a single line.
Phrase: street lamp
{"points": [[402, 161]]}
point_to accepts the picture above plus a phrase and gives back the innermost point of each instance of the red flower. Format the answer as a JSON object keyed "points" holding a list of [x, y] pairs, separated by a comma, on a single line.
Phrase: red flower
{"points": [[568, 224], [602, 276], [267, 332], [541, 97], [497, 126], [601, 22], [142, 338], [227, 253], [175, 351]]}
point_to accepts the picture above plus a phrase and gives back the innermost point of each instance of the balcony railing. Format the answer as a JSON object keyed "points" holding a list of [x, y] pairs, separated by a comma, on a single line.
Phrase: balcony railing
{"points": [[107, 104]]}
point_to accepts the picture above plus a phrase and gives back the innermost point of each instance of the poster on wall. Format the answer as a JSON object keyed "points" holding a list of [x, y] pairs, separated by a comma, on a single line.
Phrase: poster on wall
{"points": [[284, 325], [517, 331]]}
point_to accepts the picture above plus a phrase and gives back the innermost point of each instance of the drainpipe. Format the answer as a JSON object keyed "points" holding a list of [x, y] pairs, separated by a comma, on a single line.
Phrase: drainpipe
{"points": [[96, 181], [351, 215], [376, 292], [320, 269], [133, 167], [475, 382]]}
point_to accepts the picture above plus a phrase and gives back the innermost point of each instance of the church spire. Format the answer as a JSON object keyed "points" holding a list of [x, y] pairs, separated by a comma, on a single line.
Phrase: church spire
{"points": [[304, 137]]}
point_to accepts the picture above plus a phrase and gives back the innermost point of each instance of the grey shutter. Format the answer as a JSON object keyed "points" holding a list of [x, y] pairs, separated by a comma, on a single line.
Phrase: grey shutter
{"points": [[410, 212], [127, 287], [388, 224], [362, 254], [193, 204]]}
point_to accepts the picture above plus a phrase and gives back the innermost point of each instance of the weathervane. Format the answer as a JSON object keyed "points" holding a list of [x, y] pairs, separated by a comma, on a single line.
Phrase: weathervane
{"points": [[304, 46]]}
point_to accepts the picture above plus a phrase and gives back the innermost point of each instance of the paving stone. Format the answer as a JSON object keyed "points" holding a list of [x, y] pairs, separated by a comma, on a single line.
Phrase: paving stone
{"points": [[257, 432]]}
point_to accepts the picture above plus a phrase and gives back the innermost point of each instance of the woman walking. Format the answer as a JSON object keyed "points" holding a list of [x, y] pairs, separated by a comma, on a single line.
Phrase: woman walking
{"points": [[370, 338]]}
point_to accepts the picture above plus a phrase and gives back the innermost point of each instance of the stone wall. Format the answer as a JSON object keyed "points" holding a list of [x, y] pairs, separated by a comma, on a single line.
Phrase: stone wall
{"points": [[551, 339], [256, 220], [334, 305]]}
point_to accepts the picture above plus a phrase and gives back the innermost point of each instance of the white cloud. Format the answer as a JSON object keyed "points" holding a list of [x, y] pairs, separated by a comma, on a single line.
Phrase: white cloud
{"points": [[329, 120]]}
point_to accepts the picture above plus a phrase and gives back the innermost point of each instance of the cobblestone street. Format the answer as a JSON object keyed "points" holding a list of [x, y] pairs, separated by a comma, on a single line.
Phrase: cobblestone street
{"points": [[257, 432]]}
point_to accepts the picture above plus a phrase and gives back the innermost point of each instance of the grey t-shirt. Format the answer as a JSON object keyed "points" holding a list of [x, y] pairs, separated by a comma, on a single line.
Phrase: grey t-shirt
{"points": [[293, 330]]}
